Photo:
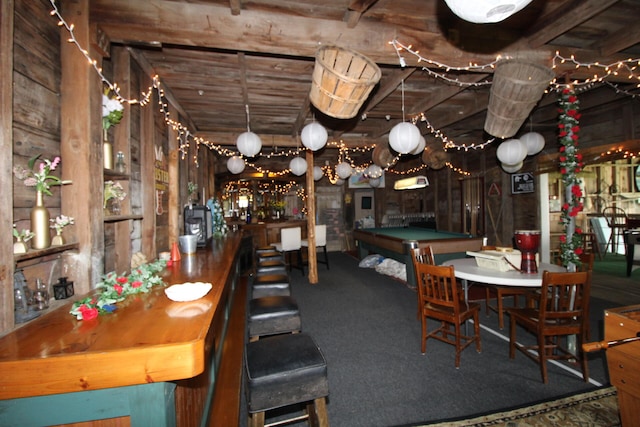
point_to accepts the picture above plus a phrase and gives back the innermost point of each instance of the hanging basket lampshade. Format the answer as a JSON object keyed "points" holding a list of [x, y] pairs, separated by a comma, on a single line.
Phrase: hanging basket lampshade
{"points": [[404, 137], [317, 173], [249, 144], [374, 182], [235, 164], [314, 136], [486, 11], [511, 152], [533, 141], [344, 170], [373, 171], [298, 166], [420, 148], [512, 168]]}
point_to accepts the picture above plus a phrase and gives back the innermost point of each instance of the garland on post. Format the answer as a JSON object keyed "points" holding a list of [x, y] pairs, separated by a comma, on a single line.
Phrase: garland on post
{"points": [[570, 164]]}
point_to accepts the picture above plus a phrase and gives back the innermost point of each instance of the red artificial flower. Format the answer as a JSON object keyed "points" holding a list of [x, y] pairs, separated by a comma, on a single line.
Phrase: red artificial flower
{"points": [[560, 125], [562, 148], [122, 280], [578, 251], [565, 207], [136, 284], [563, 238], [575, 129], [563, 171], [562, 134], [578, 230], [88, 313], [576, 190], [574, 137], [563, 158], [566, 91], [573, 99], [572, 113], [118, 289], [579, 156]]}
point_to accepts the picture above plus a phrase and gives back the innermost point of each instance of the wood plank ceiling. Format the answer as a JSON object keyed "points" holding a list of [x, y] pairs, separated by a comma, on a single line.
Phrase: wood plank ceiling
{"points": [[216, 57]]}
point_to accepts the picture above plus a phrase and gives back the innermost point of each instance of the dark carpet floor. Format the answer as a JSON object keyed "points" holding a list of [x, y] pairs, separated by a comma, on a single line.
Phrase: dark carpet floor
{"points": [[366, 325]]}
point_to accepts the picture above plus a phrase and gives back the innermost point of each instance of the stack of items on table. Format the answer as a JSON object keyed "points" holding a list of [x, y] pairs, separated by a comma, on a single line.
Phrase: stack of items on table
{"points": [[283, 366]]}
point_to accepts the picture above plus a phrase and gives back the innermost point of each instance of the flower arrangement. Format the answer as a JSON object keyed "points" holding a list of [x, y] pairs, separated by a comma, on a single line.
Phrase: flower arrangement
{"points": [[60, 222], [191, 188], [23, 235], [116, 288], [570, 165], [113, 190], [218, 223], [277, 204], [42, 179], [111, 111]]}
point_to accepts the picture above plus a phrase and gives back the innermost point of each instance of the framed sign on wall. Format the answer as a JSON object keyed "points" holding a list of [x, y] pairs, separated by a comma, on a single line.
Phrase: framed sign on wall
{"points": [[522, 183]]}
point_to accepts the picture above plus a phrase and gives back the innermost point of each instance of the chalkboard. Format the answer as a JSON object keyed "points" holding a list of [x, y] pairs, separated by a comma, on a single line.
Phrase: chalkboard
{"points": [[522, 183]]}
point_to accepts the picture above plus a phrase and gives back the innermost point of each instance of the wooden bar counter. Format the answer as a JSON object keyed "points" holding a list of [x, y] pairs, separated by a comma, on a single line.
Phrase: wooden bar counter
{"points": [[152, 362], [268, 232]]}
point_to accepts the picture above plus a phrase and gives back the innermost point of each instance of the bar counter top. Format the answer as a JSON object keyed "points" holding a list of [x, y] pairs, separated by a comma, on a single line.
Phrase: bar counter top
{"points": [[148, 339]]}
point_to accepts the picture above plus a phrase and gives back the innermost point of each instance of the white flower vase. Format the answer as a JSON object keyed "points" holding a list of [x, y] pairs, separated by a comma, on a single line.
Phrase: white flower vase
{"points": [[57, 240], [19, 247]]}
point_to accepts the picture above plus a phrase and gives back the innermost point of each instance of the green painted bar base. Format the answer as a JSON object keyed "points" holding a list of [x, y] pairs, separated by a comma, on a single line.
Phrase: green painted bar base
{"points": [[146, 404]]}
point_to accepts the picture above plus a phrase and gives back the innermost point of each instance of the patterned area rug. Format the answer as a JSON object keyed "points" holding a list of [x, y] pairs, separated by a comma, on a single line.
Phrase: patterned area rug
{"points": [[596, 408]]}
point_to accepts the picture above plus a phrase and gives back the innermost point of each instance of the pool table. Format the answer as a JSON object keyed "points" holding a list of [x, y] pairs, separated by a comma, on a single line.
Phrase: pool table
{"points": [[396, 243]]}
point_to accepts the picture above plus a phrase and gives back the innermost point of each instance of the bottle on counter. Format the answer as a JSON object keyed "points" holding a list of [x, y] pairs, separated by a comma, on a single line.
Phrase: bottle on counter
{"points": [[248, 216]]}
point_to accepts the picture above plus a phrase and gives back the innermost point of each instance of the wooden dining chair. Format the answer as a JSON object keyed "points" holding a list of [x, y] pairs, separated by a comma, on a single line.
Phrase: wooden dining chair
{"points": [[563, 310], [423, 255], [617, 221], [442, 300], [500, 293]]}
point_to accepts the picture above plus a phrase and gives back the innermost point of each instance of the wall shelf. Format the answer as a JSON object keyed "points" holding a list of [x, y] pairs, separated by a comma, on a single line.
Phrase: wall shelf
{"points": [[118, 218], [38, 253]]}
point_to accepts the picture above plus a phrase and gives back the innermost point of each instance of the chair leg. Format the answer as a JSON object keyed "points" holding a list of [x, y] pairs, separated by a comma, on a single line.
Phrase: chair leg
{"points": [[542, 357], [476, 329], [499, 302], [512, 337], [256, 419], [423, 346], [458, 345], [487, 297], [317, 412], [300, 261], [326, 257]]}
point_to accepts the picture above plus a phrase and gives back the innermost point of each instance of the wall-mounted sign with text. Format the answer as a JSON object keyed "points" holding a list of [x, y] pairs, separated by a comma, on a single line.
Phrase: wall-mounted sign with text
{"points": [[522, 183]]}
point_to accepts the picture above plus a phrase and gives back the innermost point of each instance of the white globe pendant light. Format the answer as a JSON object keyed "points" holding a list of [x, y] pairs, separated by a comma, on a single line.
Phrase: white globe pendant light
{"points": [[249, 144], [421, 144], [486, 11], [373, 171], [298, 166], [343, 170], [404, 137], [318, 173], [339, 181], [235, 164], [533, 141], [511, 152], [314, 136], [374, 182], [512, 168]]}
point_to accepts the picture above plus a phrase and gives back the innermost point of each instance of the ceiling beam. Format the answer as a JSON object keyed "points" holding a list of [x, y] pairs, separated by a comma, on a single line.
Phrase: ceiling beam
{"points": [[355, 10], [444, 93], [618, 41], [208, 25], [235, 6]]}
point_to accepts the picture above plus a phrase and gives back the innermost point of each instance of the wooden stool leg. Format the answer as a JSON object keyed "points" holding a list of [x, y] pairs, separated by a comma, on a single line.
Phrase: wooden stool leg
{"points": [[256, 419], [320, 409]]}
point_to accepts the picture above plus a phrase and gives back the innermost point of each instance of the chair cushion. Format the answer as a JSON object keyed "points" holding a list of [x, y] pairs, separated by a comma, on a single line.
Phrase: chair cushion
{"points": [[263, 249], [270, 285], [271, 267], [273, 315], [283, 370], [270, 256]]}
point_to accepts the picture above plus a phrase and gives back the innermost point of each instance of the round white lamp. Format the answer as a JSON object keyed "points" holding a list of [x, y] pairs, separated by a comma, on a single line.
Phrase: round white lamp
{"points": [[486, 11], [512, 168], [314, 136], [317, 173], [533, 141], [235, 164], [373, 171], [249, 144], [374, 182], [339, 181], [344, 170], [421, 144], [511, 152], [404, 137], [298, 166]]}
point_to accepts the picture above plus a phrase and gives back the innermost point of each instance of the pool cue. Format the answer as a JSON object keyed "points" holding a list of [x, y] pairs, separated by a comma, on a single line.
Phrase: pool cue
{"points": [[599, 345]]}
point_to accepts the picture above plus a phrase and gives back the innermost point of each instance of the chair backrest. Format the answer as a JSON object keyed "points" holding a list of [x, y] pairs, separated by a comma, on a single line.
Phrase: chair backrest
{"points": [[564, 302], [587, 259], [438, 285], [615, 216], [321, 235], [423, 255], [291, 238]]}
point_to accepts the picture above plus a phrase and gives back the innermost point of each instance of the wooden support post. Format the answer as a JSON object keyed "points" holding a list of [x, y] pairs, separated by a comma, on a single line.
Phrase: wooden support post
{"points": [[311, 220]]}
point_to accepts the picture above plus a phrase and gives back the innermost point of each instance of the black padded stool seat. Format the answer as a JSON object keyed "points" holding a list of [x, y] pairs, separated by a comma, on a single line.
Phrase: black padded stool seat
{"points": [[263, 249], [271, 267], [273, 315], [285, 370], [270, 285], [270, 256]]}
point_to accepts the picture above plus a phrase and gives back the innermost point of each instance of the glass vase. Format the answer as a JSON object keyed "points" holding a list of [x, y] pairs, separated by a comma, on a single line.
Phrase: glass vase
{"points": [[40, 224]]}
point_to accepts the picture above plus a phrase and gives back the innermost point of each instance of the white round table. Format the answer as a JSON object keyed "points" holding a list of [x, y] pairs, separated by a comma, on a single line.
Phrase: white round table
{"points": [[467, 269]]}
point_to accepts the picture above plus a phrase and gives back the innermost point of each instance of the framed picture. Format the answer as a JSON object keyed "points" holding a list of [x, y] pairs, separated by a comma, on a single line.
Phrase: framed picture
{"points": [[522, 183]]}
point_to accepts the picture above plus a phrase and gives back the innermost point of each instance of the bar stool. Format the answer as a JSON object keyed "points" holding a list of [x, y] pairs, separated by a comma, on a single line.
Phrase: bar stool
{"points": [[270, 285], [263, 249], [270, 256], [271, 267], [285, 370], [272, 316], [321, 242]]}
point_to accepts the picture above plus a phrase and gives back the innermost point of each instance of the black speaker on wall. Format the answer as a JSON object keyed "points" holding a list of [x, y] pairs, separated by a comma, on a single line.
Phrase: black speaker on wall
{"points": [[198, 221]]}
